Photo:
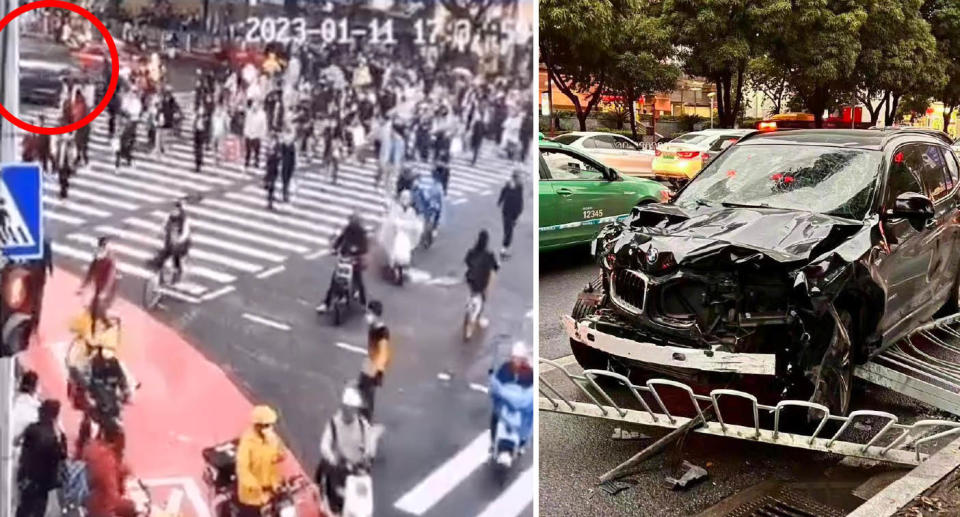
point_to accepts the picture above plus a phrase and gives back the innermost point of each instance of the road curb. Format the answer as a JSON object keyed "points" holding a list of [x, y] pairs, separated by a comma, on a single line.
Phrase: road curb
{"points": [[905, 490]]}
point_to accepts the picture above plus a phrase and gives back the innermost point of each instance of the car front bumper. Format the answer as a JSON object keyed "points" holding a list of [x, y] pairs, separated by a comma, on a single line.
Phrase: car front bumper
{"points": [[690, 359]]}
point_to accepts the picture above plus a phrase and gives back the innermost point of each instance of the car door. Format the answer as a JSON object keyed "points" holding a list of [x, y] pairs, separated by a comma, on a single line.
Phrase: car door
{"points": [[941, 231], [549, 209], [581, 187], [906, 266]]}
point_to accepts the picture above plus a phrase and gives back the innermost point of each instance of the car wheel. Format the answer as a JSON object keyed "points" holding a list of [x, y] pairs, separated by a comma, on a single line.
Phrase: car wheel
{"points": [[833, 377], [588, 358]]}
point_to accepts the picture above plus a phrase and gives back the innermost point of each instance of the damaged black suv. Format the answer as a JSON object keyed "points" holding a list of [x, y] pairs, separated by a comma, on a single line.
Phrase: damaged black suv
{"points": [[788, 260]]}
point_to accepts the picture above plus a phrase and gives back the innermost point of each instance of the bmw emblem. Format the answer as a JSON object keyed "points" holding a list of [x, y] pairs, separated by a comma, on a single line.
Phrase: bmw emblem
{"points": [[652, 255]]}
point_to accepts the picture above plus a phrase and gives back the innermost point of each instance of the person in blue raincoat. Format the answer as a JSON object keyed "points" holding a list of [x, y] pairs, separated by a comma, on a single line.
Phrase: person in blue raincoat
{"points": [[428, 202], [515, 373]]}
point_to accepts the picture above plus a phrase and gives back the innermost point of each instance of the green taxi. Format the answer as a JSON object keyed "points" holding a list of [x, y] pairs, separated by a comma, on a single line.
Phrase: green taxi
{"points": [[578, 195]]}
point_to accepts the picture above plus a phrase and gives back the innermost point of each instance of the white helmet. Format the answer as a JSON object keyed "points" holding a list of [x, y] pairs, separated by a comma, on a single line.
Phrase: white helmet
{"points": [[351, 397], [519, 351]]}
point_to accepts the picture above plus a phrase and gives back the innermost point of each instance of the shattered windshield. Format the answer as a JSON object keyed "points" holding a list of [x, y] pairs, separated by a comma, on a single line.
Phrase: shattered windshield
{"points": [[828, 180]]}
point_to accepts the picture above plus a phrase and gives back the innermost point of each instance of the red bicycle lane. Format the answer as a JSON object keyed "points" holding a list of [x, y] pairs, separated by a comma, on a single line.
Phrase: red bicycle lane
{"points": [[185, 402]]}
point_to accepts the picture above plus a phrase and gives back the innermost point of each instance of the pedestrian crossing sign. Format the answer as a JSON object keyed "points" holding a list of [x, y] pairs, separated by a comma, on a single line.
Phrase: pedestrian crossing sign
{"points": [[21, 210]]}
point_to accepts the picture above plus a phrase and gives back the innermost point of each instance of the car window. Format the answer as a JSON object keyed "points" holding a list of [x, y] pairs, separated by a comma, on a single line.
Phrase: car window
{"points": [[566, 139], [626, 144], [603, 142], [952, 167], [567, 166], [690, 138], [717, 145], [933, 172], [904, 174]]}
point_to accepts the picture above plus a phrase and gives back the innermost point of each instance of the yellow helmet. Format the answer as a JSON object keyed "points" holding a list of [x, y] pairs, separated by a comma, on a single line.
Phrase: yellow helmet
{"points": [[263, 415]]}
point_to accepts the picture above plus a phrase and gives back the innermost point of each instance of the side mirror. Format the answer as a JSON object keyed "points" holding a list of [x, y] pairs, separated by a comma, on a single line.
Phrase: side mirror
{"points": [[611, 174], [914, 207]]}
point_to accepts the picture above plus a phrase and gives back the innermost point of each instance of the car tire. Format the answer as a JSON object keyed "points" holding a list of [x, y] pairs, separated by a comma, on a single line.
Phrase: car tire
{"points": [[833, 377], [588, 358]]}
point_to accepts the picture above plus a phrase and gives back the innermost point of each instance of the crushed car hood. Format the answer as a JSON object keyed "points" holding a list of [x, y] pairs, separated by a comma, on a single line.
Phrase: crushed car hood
{"points": [[782, 235]]}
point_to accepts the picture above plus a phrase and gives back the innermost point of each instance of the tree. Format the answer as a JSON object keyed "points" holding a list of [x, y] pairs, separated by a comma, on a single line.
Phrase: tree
{"points": [[817, 42], [576, 49], [944, 19], [643, 61], [718, 39], [898, 56], [912, 105], [764, 75]]}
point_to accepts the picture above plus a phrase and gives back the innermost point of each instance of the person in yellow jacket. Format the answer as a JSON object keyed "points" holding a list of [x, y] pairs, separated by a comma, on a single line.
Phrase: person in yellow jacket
{"points": [[377, 360], [259, 456]]}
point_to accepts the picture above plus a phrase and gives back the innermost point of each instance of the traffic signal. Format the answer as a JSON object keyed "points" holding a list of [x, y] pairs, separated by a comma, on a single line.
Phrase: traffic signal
{"points": [[16, 309]]}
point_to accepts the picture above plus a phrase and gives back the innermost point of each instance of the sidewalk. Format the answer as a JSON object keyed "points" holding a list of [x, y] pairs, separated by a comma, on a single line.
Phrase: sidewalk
{"points": [[186, 403]]}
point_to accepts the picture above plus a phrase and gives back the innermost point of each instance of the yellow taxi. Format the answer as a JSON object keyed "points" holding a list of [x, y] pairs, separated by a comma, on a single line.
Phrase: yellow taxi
{"points": [[680, 159]]}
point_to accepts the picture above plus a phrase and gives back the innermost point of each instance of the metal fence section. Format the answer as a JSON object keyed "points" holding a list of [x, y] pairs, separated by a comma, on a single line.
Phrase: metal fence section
{"points": [[895, 442], [924, 365]]}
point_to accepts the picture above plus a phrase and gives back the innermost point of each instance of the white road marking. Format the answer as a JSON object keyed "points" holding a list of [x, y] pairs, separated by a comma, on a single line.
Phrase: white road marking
{"points": [[195, 253], [190, 488], [239, 234], [270, 272], [323, 252], [442, 481], [281, 217], [515, 498], [201, 238], [219, 292], [355, 349], [116, 191], [266, 321], [443, 376], [479, 387], [459, 201], [69, 219], [247, 222], [486, 193], [96, 199], [67, 204]]}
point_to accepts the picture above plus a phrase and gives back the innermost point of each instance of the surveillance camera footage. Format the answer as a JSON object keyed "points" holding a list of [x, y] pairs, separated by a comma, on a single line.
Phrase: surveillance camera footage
{"points": [[287, 270]]}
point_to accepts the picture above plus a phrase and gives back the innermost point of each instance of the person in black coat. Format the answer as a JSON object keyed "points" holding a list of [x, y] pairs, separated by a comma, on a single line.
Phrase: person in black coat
{"points": [[273, 170], [511, 205], [44, 448]]}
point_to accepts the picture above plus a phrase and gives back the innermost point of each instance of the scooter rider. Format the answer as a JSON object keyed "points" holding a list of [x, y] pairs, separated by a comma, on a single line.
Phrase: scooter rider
{"points": [[259, 456], [515, 371], [108, 386], [344, 448], [351, 242]]}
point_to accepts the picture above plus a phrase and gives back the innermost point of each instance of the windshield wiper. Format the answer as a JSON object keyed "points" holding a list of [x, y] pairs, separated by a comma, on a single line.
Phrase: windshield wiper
{"points": [[728, 204]]}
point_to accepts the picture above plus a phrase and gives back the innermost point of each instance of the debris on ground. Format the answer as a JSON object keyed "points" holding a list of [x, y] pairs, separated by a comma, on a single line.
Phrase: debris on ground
{"points": [[693, 474], [615, 487], [862, 427], [623, 434]]}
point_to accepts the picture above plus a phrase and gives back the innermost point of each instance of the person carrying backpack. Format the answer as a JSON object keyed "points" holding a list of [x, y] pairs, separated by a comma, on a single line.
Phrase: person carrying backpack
{"points": [[44, 450]]}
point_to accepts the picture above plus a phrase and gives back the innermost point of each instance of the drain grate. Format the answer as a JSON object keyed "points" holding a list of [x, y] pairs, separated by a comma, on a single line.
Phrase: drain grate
{"points": [[785, 503]]}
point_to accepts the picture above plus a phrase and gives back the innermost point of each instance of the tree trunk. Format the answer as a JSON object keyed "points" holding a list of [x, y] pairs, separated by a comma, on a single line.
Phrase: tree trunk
{"points": [[946, 118], [721, 107], [738, 97], [894, 104], [582, 118], [886, 109], [633, 118]]}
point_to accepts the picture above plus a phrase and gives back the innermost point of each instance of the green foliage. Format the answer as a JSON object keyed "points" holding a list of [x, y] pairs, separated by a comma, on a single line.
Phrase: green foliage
{"points": [[688, 121], [944, 19], [768, 77], [614, 118]]}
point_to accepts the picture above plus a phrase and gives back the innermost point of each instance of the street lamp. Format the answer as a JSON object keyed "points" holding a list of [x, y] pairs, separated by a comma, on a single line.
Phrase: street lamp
{"points": [[712, 96]]}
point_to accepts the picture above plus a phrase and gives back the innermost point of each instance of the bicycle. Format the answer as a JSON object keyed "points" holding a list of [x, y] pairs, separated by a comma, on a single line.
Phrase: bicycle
{"points": [[166, 277]]}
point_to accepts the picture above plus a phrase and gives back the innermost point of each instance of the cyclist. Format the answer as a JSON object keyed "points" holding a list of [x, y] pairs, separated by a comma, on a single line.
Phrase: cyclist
{"points": [[259, 455], [176, 241]]}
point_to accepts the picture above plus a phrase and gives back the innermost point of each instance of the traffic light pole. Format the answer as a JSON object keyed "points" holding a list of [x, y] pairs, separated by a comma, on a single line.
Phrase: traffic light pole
{"points": [[10, 95]]}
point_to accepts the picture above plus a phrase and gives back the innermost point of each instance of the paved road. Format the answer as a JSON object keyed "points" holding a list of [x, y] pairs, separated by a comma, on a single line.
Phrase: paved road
{"points": [[255, 276], [574, 452]]}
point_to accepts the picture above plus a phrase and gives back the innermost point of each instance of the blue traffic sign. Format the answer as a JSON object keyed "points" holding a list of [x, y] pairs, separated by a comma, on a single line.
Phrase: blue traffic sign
{"points": [[21, 210]]}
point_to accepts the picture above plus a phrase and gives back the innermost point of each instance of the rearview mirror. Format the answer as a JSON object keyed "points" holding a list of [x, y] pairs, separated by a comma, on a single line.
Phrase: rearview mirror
{"points": [[911, 206]]}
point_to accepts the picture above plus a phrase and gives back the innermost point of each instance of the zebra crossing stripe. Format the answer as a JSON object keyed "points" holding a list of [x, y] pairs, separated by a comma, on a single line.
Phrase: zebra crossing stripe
{"points": [[69, 219], [216, 214], [124, 249], [167, 178], [446, 477], [512, 501], [130, 183], [102, 187], [96, 199], [195, 252], [239, 234], [75, 207], [201, 238]]}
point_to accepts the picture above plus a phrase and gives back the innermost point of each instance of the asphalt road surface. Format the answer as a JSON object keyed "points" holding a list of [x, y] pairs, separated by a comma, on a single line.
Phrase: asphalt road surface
{"points": [[575, 451], [247, 304]]}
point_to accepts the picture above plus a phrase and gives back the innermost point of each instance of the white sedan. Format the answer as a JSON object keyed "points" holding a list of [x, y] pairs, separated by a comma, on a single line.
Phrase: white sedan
{"points": [[619, 152]]}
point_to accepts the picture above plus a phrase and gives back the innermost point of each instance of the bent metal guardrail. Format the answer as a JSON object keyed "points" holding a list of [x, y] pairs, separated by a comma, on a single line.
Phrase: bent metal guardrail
{"points": [[884, 445]]}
